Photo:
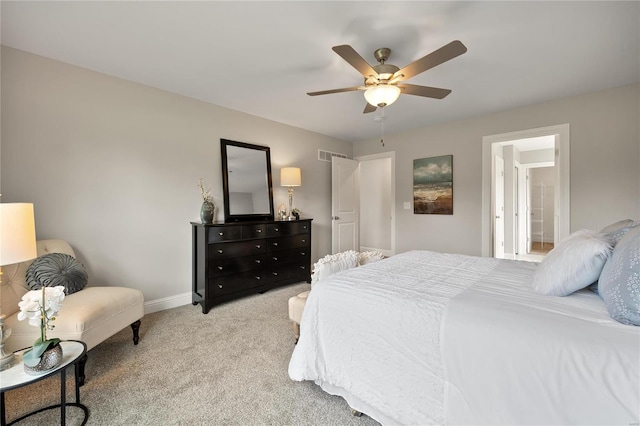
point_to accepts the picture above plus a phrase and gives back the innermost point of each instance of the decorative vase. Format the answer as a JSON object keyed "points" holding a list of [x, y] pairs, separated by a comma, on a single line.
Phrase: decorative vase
{"points": [[206, 212], [50, 358]]}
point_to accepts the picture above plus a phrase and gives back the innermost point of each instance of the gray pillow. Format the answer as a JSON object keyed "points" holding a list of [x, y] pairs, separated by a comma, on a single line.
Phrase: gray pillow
{"points": [[55, 269], [619, 283], [614, 232]]}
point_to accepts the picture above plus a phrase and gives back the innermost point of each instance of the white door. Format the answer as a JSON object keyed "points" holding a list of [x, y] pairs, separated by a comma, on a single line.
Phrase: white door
{"points": [[344, 205], [498, 248]]}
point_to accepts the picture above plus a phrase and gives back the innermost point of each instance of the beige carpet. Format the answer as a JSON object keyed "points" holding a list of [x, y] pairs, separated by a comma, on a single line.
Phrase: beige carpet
{"points": [[228, 367]]}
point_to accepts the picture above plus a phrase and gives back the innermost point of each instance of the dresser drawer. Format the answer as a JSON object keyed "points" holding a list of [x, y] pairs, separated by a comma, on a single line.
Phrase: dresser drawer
{"points": [[298, 255], [227, 233], [254, 231], [236, 248], [233, 265], [289, 271], [226, 284], [288, 228], [286, 243]]}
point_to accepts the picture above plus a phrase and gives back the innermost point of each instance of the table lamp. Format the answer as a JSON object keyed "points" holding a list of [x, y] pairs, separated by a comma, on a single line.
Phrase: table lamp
{"points": [[290, 177], [17, 244]]}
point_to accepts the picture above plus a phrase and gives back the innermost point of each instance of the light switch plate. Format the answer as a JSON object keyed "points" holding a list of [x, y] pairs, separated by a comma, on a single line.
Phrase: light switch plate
{"points": [[407, 205]]}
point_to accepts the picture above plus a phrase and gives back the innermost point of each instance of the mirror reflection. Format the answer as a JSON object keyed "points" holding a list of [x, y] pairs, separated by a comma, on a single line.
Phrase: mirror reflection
{"points": [[246, 174], [248, 181]]}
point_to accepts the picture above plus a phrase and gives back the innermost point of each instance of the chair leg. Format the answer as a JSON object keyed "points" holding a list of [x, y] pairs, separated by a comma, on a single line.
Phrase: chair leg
{"points": [[136, 329], [80, 370]]}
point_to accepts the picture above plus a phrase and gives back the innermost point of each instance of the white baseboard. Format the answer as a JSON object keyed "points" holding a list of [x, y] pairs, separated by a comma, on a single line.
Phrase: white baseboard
{"points": [[167, 303]]}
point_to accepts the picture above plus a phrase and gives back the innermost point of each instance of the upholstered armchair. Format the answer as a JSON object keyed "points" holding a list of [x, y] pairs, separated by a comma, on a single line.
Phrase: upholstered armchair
{"points": [[91, 315]]}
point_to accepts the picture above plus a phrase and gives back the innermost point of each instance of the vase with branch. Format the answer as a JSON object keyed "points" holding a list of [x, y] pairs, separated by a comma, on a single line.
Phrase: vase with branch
{"points": [[208, 208]]}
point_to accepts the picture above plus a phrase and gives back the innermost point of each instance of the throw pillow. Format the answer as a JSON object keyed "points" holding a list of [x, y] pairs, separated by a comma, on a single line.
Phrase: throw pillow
{"points": [[619, 283], [365, 257], [574, 264], [56, 269], [614, 232], [333, 263]]}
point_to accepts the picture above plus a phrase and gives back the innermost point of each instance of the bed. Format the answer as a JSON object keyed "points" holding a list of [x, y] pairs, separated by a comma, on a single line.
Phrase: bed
{"points": [[432, 338]]}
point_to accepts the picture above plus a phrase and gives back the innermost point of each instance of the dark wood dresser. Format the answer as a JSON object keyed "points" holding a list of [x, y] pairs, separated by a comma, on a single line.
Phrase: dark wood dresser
{"points": [[232, 260]]}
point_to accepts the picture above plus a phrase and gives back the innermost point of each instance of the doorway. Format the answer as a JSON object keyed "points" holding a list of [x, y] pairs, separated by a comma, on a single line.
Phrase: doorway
{"points": [[372, 226], [523, 151]]}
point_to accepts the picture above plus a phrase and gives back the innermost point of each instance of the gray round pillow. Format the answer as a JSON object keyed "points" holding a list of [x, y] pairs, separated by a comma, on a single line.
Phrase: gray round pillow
{"points": [[56, 269]]}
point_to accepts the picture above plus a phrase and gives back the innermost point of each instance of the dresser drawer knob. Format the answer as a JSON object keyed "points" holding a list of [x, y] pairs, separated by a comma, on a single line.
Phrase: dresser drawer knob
{"points": [[275, 258], [258, 261], [275, 244], [257, 277], [221, 233], [303, 267], [303, 253], [220, 251], [304, 227], [259, 230], [220, 268], [219, 285], [304, 241], [258, 246], [275, 273], [276, 229]]}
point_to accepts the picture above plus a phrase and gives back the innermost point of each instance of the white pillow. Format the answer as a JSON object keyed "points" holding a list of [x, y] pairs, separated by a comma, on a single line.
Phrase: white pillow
{"points": [[369, 257], [333, 263], [575, 263]]}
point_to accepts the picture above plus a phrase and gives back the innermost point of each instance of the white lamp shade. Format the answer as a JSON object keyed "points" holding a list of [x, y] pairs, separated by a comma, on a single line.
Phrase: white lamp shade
{"points": [[290, 176], [17, 233], [382, 95]]}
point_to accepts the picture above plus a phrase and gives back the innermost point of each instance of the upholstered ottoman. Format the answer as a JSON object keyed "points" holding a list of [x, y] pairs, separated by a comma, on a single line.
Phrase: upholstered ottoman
{"points": [[296, 306]]}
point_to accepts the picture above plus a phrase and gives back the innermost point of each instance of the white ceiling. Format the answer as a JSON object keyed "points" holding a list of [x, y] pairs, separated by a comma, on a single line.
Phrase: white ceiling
{"points": [[262, 57]]}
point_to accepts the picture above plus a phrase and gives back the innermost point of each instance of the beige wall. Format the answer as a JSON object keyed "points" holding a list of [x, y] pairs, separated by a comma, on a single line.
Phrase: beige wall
{"points": [[112, 167], [605, 165]]}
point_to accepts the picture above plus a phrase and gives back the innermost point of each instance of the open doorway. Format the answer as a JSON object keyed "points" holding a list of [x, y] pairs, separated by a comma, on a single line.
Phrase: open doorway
{"points": [[363, 203], [522, 153]]}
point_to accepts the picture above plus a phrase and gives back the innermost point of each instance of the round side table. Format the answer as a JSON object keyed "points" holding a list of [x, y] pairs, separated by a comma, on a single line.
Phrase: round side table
{"points": [[15, 377]]}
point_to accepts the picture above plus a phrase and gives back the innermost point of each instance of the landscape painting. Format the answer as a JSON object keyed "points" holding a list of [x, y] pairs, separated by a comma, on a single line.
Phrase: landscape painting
{"points": [[433, 185]]}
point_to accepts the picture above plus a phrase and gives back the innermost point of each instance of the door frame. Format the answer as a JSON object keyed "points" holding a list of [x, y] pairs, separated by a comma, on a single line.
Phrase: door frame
{"points": [[498, 201], [563, 178]]}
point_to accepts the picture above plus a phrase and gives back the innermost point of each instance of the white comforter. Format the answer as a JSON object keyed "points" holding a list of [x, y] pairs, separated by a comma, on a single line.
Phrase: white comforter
{"points": [[388, 338]]}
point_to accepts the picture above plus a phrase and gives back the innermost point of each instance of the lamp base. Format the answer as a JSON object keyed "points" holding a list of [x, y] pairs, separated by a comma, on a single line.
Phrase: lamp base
{"points": [[290, 217], [6, 361]]}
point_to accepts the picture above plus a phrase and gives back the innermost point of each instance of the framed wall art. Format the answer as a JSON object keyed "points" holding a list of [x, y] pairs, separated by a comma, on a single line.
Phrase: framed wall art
{"points": [[433, 185]]}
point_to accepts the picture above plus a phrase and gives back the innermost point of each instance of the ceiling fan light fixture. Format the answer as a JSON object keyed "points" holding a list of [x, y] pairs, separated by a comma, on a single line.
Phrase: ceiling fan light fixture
{"points": [[382, 95]]}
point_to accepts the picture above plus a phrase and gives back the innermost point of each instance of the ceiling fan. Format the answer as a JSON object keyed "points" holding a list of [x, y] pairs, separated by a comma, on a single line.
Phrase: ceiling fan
{"points": [[384, 82]]}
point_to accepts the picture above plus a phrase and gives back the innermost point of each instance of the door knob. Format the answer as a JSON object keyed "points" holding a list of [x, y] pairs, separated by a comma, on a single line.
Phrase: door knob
{"points": [[335, 218]]}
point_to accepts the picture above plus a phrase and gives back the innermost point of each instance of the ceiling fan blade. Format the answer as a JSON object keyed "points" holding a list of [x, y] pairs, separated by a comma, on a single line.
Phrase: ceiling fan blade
{"points": [[426, 91], [355, 60], [369, 108], [345, 89], [445, 53]]}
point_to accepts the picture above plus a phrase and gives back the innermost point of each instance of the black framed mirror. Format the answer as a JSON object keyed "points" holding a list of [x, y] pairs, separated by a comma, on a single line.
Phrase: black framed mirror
{"points": [[246, 181]]}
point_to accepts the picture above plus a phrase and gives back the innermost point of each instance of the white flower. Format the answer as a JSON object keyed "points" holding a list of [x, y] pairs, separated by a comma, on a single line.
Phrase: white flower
{"points": [[31, 306]]}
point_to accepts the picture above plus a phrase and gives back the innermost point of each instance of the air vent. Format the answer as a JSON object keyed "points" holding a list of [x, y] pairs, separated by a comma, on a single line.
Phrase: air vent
{"points": [[326, 155]]}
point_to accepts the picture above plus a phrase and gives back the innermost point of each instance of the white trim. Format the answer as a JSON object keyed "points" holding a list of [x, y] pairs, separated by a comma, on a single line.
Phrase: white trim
{"points": [[562, 196], [392, 156], [167, 303]]}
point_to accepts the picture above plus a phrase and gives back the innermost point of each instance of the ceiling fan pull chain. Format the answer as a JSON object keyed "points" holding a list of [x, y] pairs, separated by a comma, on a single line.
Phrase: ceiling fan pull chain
{"points": [[382, 126]]}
